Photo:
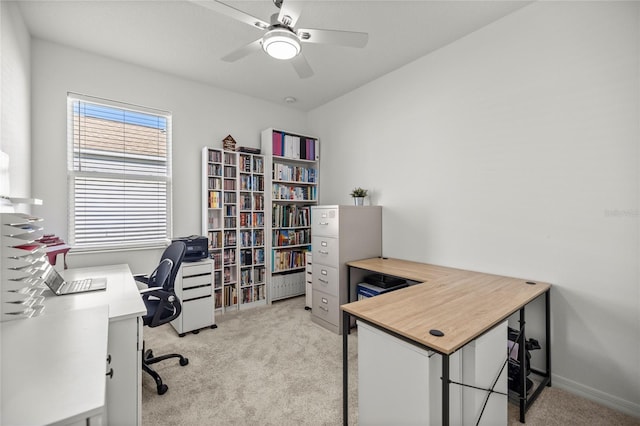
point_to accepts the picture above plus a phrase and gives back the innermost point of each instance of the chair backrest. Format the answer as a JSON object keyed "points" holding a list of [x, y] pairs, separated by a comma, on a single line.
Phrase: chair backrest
{"points": [[164, 306], [175, 252], [160, 277]]}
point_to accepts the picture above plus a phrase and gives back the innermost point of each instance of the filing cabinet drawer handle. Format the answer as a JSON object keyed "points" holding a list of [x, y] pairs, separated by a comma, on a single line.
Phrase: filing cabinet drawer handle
{"points": [[323, 308], [323, 281], [323, 223], [323, 252], [325, 301], [323, 271], [323, 243]]}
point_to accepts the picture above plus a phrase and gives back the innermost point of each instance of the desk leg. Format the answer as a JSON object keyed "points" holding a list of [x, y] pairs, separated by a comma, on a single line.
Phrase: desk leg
{"points": [[445, 390], [345, 367], [523, 367], [547, 307], [344, 328]]}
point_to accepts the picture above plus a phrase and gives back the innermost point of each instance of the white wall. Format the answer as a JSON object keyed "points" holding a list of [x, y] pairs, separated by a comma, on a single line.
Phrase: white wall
{"points": [[202, 116], [15, 96], [515, 151]]}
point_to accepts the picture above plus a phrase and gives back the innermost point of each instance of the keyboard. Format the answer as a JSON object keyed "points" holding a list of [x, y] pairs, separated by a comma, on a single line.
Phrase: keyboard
{"points": [[79, 285]]}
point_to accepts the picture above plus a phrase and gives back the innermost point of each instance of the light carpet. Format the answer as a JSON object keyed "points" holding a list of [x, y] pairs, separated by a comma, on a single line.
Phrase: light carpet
{"points": [[273, 366]]}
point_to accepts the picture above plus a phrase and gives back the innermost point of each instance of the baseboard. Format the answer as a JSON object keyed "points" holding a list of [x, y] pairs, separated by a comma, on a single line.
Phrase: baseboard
{"points": [[595, 395]]}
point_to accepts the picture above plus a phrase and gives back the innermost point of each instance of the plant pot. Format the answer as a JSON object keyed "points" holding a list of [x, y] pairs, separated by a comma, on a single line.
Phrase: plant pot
{"points": [[359, 201]]}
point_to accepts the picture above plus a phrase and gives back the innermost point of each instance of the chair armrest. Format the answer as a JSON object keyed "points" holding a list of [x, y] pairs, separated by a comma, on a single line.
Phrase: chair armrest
{"points": [[149, 289], [141, 278]]}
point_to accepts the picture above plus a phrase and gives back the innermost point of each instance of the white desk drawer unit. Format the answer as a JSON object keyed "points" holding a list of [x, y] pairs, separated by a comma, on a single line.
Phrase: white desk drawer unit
{"points": [[339, 234], [194, 288]]}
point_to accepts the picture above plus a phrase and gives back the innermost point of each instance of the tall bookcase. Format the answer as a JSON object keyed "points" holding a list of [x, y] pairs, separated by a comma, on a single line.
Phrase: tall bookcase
{"points": [[291, 179], [233, 220], [212, 223], [230, 232], [252, 275]]}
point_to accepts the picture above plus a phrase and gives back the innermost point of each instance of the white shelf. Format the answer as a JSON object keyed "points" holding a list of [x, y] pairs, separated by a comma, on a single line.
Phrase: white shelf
{"points": [[297, 178]]}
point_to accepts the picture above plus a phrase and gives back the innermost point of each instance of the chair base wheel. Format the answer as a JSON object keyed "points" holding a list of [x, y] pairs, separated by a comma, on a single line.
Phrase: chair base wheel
{"points": [[162, 389]]}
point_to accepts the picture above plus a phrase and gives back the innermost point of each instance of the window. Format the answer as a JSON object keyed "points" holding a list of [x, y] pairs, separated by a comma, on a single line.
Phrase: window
{"points": [[119, 173]]}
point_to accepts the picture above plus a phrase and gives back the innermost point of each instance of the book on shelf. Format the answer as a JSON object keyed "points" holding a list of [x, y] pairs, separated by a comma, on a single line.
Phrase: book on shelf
{"points": [[215, 239], [295, 147], [291, 237], [258, 256], [214, 200], [258, 275], [246, 257], [217, 262], [230, 297], [215, 156], [291, 173], [288, 216], [258, 237], [285, 260], [248, 150], [295, 193]]}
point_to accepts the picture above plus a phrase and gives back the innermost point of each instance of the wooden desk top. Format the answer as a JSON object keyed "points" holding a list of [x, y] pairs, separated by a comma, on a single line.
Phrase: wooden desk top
{"points": [[462, 304]]}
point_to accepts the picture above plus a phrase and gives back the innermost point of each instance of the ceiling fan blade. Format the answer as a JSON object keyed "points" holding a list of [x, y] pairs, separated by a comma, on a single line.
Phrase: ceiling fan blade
{"points": [[254, 46], [232, 12], [301, 66], [289, 13], [342, 38]]}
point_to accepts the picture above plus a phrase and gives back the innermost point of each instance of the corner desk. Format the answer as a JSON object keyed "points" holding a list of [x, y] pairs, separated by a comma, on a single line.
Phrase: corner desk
{"points": [[462, 305], [80, 343]]}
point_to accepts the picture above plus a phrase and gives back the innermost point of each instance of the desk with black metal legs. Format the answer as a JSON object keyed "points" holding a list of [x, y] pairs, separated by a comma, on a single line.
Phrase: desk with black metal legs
{"points": [[449, 309]]}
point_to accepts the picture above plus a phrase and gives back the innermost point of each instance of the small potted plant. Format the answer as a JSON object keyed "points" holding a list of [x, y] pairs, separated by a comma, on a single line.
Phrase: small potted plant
{"points": [[358, 195]]}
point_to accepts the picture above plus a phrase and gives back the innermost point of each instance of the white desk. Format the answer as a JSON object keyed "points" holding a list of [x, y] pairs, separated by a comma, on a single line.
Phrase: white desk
{"points": [[53, 368], [124, 343]]}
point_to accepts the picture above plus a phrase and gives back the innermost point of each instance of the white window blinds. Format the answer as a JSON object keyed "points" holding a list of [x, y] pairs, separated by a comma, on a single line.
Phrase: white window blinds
{"points": [[119, 170]]}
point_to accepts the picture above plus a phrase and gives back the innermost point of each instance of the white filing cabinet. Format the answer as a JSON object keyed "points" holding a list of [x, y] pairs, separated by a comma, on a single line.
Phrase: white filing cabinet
{"points": [[399, 383], [340, 234], [194, 288]]}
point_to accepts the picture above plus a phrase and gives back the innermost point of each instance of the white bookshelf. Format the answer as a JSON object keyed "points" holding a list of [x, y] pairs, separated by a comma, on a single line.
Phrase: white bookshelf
{"points": [[233, 212], [212, 222], [251, 228], [230, 230], [291, 179]]}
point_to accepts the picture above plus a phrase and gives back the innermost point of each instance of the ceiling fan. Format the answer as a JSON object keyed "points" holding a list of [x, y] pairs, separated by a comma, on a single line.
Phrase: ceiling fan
{"points": [[281, 39]]}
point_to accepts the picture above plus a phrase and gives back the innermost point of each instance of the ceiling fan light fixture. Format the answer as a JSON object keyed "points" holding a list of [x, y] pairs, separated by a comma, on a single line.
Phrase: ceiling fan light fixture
{"points": [[281, 44]]}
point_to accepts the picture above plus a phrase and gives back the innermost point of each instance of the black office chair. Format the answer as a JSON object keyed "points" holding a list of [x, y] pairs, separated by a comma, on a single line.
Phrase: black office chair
{"points": [[162, 304]]}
